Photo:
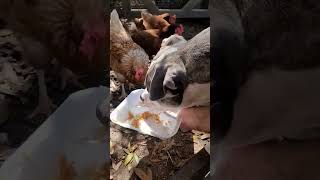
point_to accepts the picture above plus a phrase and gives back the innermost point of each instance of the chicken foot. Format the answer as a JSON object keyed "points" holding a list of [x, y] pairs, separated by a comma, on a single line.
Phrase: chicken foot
{"points": [[123, 92], [45, 105]]}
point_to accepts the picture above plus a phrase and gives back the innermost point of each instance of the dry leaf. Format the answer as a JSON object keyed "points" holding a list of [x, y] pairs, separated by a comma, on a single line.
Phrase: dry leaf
{"points": [[164, 157], [178, 153], [128, 159], [143, 143], [149, 174], [133, 148], [181, 163], [169, 145], [135, 161], [205, 136], [136, 158], [116, 166], [155, 160], [195, 138], [143, 175], [140, 137], [130, 166], [126, 151]]}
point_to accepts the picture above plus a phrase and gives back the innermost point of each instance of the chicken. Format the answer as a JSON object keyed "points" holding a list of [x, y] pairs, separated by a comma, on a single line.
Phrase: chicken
{"points": [[179, 76], [150, 30], [73, 36], [16, 75], [36, 53], [166, 23], [128, 60], [72, 32]]}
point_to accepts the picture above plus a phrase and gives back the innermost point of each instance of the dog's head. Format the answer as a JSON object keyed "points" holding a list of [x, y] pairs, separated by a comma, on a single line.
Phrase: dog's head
{"points": [[166, 78]]}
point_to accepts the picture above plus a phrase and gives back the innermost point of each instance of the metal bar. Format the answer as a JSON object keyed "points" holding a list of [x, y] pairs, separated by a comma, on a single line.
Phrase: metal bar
{"points": [[194, 13], [127, 8], [191, 4], [152, 7], [207, 177]]}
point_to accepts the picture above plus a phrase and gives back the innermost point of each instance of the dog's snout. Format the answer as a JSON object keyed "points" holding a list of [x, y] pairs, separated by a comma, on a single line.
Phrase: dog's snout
{"points": [[175, 83]]}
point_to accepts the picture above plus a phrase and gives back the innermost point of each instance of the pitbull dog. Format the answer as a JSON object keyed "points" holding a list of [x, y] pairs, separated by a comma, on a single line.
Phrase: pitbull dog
{"points": [[179, 75]]}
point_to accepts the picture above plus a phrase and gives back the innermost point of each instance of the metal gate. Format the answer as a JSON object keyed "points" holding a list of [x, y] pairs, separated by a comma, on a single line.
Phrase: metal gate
{"points": [[182, 8]]}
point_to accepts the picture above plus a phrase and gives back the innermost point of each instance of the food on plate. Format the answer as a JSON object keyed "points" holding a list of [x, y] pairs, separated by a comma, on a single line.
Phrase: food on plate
{"points": [[130, 115], [135, 120]]}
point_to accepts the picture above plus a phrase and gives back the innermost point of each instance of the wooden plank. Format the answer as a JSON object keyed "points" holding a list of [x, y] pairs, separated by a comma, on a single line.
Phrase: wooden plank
{"points": [[196, 168]]}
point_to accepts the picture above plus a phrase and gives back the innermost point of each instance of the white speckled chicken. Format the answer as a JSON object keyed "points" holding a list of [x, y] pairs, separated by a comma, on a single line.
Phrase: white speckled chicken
{"points": [[16, 76], [128, 60]]}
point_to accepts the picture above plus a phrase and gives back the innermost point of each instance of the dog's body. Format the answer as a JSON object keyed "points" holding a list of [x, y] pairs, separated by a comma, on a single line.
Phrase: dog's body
{"points": [[267, 53]]}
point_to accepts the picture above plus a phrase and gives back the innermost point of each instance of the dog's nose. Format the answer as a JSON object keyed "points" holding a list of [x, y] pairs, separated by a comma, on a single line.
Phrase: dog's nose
{"points": [[175, 82]]}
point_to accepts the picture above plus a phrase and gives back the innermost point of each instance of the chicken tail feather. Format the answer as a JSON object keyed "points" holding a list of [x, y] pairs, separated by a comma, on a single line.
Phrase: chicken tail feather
{"points": [[116, 27]]}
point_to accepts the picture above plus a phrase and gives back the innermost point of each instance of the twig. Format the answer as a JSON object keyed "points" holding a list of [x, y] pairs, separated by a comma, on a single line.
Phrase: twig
{"points": [[170, 157]]}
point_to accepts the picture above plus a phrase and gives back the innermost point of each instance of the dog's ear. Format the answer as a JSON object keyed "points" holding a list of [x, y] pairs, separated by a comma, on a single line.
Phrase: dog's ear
{"points": [[154, 81]]}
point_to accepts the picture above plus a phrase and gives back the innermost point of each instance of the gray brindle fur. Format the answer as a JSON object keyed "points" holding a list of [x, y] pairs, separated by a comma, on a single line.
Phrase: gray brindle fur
{"points": [[270, 50]]}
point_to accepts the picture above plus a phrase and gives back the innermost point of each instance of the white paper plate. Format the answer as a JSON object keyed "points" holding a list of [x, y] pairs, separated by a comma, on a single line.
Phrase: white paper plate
{"points": [[166, 128]]}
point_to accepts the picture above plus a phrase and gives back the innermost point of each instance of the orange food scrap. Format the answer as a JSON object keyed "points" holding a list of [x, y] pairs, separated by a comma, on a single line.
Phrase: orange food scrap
{"points": [[144, 116], [148, 115], [135, 123], [130, 115]]}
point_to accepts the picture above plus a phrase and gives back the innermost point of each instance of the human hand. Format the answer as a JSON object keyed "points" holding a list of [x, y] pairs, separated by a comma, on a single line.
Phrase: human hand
{"points": [[195, 118]]}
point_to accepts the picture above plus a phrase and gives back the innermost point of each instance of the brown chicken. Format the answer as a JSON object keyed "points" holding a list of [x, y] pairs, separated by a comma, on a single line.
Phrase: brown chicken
{"points": [[150, 30], [72, 32], [128, 60]]}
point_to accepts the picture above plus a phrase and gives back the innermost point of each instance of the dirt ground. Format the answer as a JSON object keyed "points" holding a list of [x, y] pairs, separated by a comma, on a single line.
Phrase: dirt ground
{"points": [[157, 159]]}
